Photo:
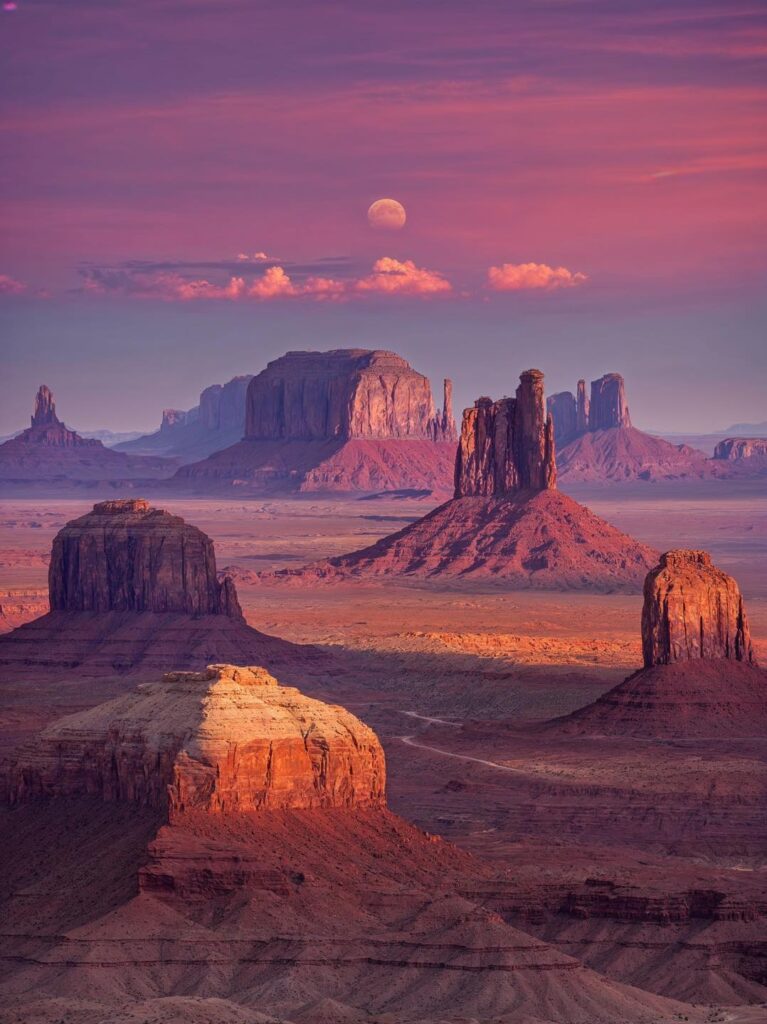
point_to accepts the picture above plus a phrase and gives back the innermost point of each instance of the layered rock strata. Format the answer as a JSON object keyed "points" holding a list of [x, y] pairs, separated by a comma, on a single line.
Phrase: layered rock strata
{"points": [[225, 739], [693, 610]]}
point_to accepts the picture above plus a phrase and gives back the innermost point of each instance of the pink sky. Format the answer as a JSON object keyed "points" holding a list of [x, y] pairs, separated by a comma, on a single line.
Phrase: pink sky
{"points": [[617, 148]]}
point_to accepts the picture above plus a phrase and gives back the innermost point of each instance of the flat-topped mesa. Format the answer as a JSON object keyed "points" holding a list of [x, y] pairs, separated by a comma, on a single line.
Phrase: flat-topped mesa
{"points": [[735, 449], [127, 557], [341, 395], [693, 610], [507, 446], [227, 739], [608, 407]]}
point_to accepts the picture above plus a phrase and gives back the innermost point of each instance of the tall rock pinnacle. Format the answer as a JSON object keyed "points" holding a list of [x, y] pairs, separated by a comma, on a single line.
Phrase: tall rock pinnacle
{"points": [[583, 404], [508, 445], [45, 408], [693, 610]]}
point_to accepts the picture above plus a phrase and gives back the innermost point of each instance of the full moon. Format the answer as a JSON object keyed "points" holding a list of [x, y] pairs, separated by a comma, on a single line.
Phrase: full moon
{"points": [[387, 215]]}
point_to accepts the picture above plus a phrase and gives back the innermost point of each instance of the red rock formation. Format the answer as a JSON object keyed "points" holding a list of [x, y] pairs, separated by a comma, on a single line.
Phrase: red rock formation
{"points": [[608, 406], [625, 453], [172, 418], [692, 610], [45, 408], [345, 420], [49, 453], [737, 449], [507, 446], [126, 556], [563, 409], [341, 394], [225, 739]]}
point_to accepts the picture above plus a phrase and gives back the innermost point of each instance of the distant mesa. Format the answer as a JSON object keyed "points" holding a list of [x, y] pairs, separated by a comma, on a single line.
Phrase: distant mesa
{"points": [[700, 677], [216, 422], [134, 588], [346, 420], [49, 454], [507, 522], [597, 442], [750, 452]]}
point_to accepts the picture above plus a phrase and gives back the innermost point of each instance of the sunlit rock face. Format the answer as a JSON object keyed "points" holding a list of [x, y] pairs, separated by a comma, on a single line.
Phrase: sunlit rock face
{"points": [[125, 556], [693, 610], [507, 446], [228, 738], [737, 449], [344, 394]]}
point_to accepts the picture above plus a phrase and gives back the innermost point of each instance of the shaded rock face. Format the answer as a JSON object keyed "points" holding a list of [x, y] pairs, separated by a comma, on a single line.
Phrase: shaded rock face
{"points": [[608, 407], [693, 610], [172, 418], [342, 394], [576, 415], [583, 408], [735, 449], [222, 406], [507, 446], [224, 739], [126, 556], [563, 409]]}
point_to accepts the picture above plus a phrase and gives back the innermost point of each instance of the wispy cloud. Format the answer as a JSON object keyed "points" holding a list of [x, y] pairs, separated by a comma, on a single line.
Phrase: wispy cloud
{"points": [[513, 277]]}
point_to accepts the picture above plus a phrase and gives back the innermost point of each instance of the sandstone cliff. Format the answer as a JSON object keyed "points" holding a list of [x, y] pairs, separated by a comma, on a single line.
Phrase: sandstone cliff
{"points": [[342, 394], [608, 407], [126, 556], [224, 739], [737, 449], [507, 446], [692, 610]]}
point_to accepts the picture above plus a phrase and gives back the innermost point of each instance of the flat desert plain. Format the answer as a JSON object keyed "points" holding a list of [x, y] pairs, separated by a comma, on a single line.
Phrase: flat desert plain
{"points": [[646, 859]]}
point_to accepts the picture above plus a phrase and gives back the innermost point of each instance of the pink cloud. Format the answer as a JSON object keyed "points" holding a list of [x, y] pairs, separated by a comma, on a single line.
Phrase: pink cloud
{"points": [[389, 277], [10, 286], [402, 277], [513, 277]]}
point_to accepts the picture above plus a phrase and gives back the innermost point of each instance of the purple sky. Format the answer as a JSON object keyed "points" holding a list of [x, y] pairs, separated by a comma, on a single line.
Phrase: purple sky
{"points": [[584, 183]]}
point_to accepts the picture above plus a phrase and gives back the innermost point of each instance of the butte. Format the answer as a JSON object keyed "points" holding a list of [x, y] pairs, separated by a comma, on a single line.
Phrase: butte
{"points": [[507, 522]]}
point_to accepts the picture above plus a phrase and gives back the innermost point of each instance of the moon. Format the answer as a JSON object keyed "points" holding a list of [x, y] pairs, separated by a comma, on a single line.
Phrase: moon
{"points": [[387, 215]]}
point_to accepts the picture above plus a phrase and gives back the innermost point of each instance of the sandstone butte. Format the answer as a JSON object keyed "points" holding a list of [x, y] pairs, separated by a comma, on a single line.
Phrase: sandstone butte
{"points": [[743, 451], [344, 420], [224, 739], [216, 422], [221, 837], [597, 442], [134, 588], [49, 454], [700, 676], [507, 522]]}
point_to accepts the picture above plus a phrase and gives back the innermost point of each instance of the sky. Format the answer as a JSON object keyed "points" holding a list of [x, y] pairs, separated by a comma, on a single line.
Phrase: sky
{"points": [[186, 186]]}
